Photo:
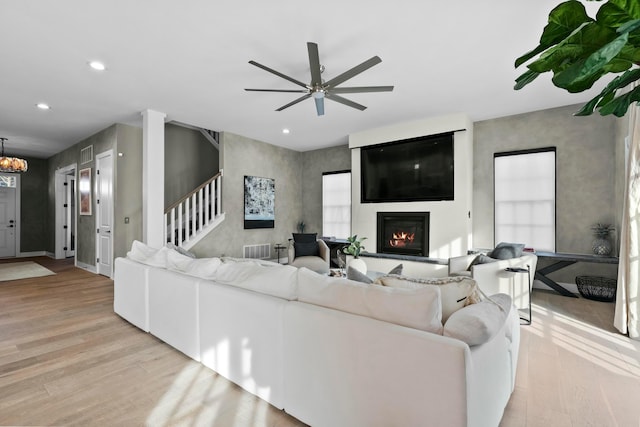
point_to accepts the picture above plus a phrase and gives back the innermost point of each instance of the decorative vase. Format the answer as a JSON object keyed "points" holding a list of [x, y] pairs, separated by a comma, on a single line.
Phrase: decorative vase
{"points": [[358, 264], [601, 246]]}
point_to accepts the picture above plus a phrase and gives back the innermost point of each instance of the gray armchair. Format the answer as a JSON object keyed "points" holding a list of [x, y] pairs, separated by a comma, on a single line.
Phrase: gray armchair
{"points": [[305, 250]]}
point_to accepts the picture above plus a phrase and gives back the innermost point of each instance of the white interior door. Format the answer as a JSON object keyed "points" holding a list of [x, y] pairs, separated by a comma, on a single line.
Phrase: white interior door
{"points": [[104, 208], [69, 215], [7, 222]]}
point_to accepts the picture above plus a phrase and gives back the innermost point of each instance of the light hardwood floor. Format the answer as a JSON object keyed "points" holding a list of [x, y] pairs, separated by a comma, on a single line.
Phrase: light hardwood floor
{"points": [[67, 359]]}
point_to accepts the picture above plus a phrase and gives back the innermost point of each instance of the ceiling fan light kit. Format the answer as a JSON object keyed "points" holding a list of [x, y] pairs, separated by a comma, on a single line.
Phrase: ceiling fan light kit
{"points": [[318, 89]]}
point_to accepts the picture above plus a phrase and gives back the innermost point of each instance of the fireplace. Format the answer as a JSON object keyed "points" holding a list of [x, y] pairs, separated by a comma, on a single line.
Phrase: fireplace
{"points": [[403, 233]]}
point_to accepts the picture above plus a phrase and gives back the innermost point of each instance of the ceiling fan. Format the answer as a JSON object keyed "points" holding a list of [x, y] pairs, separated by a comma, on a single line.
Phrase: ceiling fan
{"points": [[319, 89]]}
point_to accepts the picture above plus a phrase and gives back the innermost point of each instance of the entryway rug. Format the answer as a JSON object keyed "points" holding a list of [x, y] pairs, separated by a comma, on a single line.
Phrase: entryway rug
{"points": [[22, 270]]}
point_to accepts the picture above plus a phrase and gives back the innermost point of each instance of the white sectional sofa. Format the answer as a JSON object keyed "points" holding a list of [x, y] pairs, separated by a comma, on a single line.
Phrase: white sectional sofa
{"points": [[330, 352]]}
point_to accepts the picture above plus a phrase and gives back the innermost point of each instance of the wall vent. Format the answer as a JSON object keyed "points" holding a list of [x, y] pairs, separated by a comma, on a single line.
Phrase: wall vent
{"points": [[86, 155], [260, 251]]}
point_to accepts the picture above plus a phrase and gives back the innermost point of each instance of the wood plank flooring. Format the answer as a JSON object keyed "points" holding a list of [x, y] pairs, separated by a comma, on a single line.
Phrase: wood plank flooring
{"points": [[67, 359]]}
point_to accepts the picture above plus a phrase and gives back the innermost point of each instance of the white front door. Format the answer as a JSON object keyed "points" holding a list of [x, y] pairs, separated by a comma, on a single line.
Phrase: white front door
{"points": [[104, 207], [7, 222]]}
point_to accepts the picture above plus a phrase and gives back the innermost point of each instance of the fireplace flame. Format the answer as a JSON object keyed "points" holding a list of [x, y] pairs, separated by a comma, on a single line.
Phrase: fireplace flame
{"points": [[401, 239]]}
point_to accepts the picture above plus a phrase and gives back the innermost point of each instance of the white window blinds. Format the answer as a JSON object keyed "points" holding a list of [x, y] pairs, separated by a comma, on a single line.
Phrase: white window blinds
{"points": [[525, 193], [336, 205]]}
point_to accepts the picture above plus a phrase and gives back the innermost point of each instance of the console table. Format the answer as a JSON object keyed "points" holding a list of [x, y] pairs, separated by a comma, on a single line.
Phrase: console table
{"points": [[562, 260]]}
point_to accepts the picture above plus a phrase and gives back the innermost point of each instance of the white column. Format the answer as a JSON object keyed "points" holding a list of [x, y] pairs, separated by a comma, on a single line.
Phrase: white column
{"points": [[153, 178]]}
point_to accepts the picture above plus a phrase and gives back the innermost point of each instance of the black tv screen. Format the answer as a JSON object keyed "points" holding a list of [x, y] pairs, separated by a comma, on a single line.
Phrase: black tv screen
{"points": [[416, 169]]}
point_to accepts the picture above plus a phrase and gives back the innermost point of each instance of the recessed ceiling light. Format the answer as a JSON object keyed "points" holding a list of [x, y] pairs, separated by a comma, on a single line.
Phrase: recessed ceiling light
{"points": [[97, 65], [43, 106], [285, 131]]}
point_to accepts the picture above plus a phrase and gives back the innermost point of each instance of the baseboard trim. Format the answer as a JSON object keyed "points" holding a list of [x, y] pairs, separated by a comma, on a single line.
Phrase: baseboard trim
{"points": [[31, 254], [91, 268]]}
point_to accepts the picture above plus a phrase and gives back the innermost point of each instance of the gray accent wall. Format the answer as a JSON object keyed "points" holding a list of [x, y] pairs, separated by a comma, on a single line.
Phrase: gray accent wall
{"points": [[587, 176], [242, 156], [127, 190], [189, 160], [33, 202], [314, 164]]}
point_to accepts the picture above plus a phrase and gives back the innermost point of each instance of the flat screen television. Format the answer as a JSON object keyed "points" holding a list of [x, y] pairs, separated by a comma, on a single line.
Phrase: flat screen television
{"points": [[416, 169]]}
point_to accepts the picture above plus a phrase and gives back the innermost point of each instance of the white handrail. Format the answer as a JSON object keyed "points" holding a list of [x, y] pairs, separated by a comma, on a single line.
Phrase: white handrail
{"points": [[191, 215]]}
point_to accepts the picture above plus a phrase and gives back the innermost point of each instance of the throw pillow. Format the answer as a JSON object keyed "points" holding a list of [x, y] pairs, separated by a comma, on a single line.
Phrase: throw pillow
{"points": [[305, 237], [396, 270], [481, 259], [478, 323], [306, 249], [507, 250], [456, 292], [353, 274]]}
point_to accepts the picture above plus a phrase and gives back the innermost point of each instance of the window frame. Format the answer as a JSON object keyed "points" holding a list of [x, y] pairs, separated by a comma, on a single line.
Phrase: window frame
{"points": [[345, 171], [555, 189]]}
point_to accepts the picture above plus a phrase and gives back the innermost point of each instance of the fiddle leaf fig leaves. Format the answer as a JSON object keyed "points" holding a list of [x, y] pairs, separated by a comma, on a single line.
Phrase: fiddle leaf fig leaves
{"points": [[579, 50]]}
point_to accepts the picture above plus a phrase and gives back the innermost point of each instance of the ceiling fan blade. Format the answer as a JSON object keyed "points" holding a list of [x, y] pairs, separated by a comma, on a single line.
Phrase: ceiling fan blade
{"points": [[314, 64], [353, 72], [302, 98], [279, 90], [319, 106], [362, 89], [345, 101], [277, 73]]}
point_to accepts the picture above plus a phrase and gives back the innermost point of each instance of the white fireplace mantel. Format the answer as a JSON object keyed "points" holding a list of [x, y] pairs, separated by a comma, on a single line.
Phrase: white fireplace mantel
{"points": [[451, 223]]}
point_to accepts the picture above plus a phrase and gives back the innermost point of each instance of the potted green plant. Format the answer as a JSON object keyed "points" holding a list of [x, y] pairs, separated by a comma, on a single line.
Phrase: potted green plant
{"points": [[354, 249]]}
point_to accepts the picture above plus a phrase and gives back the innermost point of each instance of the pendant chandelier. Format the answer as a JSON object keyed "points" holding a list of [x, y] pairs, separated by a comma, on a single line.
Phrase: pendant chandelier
{"points": [[11, 164]]}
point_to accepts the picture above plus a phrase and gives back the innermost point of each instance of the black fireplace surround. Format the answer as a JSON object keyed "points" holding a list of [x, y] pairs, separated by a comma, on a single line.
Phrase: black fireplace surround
{"points": [[403, 233]]}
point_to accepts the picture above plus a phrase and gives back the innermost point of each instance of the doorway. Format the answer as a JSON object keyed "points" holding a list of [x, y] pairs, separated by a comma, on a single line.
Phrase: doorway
{"points": [[9, 214], [66, 221]]}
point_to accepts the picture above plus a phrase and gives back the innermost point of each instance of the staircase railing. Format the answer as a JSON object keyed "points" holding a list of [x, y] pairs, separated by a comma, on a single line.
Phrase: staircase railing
{"points": [[192, 215]]}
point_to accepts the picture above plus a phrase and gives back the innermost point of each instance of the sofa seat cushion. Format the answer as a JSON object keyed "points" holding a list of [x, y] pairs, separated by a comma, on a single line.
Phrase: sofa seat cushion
{"points": [[270, 279], [418, 308], [477, 323], [456, 292]]}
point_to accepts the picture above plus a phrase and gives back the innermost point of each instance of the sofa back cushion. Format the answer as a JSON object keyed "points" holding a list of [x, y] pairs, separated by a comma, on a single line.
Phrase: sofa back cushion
{"points": [[147, 255], [271, 279], [478, 323], [416, 308], [456, 292]]}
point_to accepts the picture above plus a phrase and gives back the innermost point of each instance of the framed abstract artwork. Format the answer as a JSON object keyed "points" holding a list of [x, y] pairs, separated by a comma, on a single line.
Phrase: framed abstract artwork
{"points": [[259, 202], [84, 190]]}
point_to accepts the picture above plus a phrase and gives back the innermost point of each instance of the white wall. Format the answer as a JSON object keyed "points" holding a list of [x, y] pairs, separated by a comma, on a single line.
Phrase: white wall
{"points": [[450, 225]]}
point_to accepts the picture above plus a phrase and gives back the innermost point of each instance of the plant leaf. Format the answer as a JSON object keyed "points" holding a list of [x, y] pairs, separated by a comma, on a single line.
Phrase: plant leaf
{"points": [[581, 75], [609, 91], [616, 13], [563, 20], [526, 78], [619, 106]]}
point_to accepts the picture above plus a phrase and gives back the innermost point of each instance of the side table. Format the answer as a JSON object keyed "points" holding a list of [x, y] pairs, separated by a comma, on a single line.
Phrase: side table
{"points": [[516, 270], [278, 247]]}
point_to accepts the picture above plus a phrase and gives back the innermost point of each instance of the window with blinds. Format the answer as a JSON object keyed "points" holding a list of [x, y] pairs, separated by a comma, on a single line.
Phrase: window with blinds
{"points": [[336, 204], [525, 198]]}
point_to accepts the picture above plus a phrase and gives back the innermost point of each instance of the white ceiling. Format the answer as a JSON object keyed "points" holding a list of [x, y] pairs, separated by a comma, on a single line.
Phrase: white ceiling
{"points": [[189, 59]]}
